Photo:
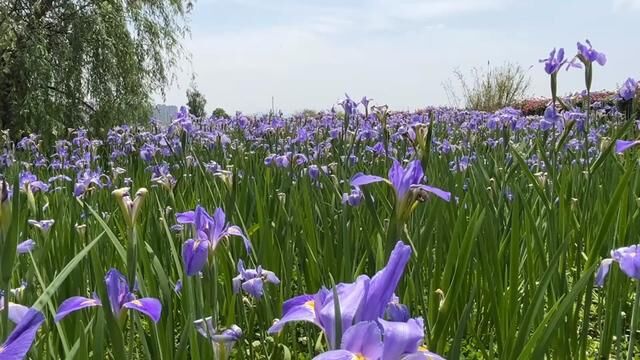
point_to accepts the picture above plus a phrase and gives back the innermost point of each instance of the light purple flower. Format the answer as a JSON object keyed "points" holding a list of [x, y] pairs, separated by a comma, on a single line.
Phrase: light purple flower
{"points": [[628, 258], [554, 62], [628, 90], [26, 246], [407, 183], [252, 280], [589, 54], [624, 145], [19, 341], [363, 300], [120, 297]]}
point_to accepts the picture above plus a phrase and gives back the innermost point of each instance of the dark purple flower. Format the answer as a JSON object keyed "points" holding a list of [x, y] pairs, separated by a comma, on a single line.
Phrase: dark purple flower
{"points": [[554, 62], [120, 297], [195, 254], [252, 280], [19, 341]]}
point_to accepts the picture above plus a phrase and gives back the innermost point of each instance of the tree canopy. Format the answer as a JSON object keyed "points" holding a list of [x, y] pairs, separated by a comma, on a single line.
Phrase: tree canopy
{"points": [[90, 63]]}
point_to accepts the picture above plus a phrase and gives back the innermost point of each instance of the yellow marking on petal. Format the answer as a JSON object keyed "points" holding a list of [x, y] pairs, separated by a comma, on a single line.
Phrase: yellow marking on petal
{"points": [[359, 356], [136, 302], [89, 302], [422, 348], [310, 305]]}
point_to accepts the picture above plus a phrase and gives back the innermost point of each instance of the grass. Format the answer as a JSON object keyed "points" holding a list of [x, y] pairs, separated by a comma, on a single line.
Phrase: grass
{"points": [[504, 271]]}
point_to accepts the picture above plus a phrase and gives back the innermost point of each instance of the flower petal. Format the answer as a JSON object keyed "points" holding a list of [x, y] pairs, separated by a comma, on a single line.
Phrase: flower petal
{"points": [[299, 308], [73, 304], [148, 306], [19, 341], [603, 270]]}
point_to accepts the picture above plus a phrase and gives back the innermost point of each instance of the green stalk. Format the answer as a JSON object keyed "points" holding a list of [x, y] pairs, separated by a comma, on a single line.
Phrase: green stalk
{"points": [[634, 322]]}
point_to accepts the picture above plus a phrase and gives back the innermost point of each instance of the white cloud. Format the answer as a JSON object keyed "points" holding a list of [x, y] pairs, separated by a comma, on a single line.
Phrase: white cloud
{"points": [[622, 5]]}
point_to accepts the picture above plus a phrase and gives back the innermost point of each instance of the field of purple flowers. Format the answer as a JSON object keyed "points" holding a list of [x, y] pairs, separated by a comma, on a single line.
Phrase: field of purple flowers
{"points": [[359, 233]]}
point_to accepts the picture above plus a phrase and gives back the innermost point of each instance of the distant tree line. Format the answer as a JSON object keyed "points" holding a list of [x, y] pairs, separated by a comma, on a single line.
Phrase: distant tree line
{"points": [[90, 63]]}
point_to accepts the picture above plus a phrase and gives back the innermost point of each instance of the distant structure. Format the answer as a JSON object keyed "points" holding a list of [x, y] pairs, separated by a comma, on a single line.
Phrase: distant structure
{"points": [[165, 114]]}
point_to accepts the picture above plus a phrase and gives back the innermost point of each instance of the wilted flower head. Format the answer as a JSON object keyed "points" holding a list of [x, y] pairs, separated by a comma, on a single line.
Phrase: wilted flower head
{"points": [[130, 208], [252, 280]]}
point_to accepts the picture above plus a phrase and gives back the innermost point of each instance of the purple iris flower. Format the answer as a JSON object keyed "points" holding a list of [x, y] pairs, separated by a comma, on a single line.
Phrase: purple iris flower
{"points": [[252, 280], [365, 299], [314, 172], [628, 258], [371, 340], [120, 297], [354, 198], [44, 225], [551, 118], [16, 312], [554, 62], [26, 246], [589, 54], [406, 182], [628, 90], [208, 232], [222, 341], [29, 182], [624, 145], [19, 341]]}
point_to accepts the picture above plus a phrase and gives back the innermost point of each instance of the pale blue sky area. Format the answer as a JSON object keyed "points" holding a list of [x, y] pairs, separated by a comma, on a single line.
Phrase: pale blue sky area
{"points": [[307, 54]]}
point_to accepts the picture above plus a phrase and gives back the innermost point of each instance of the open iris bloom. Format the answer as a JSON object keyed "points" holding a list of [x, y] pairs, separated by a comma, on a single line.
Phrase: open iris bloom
{"points": [[365, 300], [208, 231], [554, 62], [120, 298], [587, 56], [17, 345], [628, 258], [222, 341], [382, 340], [407, 183], [252, 280], [624, 145]]}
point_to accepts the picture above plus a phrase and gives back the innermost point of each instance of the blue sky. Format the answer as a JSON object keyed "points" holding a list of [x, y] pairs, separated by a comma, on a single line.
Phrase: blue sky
{"points": [[307, 54]]}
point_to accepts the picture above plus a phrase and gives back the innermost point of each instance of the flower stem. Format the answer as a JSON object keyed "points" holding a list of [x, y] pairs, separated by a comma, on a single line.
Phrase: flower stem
{"points": [[634, 322]]}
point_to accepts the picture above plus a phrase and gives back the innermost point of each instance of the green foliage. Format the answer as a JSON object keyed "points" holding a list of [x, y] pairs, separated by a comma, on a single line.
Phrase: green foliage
{"points": [[219, 113], [489, 89], [196, 102], [88, 63]]}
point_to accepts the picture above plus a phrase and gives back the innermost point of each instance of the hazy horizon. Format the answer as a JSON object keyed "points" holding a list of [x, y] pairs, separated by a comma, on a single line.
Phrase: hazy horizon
{"points": [[307, 55]]}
